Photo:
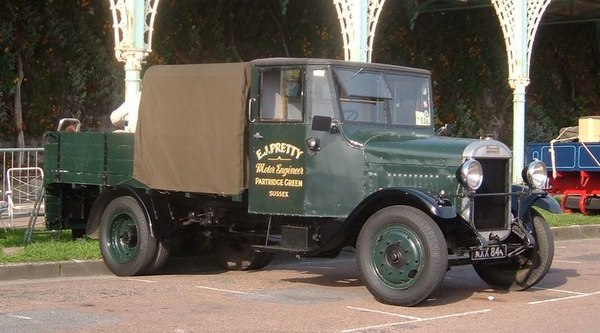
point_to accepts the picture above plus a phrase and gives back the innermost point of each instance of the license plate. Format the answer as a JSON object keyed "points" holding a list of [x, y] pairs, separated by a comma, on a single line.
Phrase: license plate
{"points": [[488, 252]]}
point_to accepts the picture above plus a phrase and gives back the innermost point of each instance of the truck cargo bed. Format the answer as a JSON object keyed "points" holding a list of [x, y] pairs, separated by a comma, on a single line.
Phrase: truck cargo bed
{"points": [[89, 158]]}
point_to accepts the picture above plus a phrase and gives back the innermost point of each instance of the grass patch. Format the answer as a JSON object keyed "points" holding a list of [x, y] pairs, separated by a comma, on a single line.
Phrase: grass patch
{"points": [[569, 219], [45, 247], [565, 220]]}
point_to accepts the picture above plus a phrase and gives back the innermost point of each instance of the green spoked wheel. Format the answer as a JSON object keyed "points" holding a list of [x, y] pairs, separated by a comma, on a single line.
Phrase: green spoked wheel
{"points": [[402, 255], [125, 241]]}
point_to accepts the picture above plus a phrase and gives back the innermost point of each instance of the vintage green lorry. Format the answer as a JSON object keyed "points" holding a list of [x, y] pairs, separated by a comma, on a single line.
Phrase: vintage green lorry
{"points": [[307, 156]]}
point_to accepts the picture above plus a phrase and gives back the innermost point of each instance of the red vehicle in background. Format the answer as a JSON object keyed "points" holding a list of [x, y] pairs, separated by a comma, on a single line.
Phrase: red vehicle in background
{"points": [[573, 162]]}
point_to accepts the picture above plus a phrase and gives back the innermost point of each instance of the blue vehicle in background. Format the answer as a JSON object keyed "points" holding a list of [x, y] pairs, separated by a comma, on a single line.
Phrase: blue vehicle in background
{"points": [[573, 162]]}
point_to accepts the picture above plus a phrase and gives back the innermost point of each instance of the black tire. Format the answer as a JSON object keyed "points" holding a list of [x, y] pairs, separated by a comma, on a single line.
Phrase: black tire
{"points": [[163, 250], [528, 268], [402, 255], [237, 254], [125, 241]]}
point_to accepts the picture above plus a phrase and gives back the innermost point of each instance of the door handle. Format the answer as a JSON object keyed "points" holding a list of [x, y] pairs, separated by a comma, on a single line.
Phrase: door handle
{"points": [[258, 136]]}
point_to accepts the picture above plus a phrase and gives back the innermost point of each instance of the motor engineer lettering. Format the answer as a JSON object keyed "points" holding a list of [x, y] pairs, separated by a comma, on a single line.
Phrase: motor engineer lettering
{"points": [[279, 148], [278, 169]]}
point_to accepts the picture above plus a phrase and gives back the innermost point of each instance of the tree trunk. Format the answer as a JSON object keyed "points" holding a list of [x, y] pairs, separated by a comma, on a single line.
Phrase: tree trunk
{"points": [[280, 27], [18, 110]]}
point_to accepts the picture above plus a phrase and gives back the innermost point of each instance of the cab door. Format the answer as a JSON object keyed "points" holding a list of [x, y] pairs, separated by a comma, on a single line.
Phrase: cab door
{"points": [[277, 131]]}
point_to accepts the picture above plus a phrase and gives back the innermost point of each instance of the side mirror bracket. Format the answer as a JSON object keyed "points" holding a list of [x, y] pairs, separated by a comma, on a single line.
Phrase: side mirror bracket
{"points": [[324, 124]]}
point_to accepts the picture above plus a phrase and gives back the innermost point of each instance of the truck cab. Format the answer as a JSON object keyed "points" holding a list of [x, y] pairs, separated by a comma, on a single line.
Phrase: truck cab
{"points": [[307, 156]]}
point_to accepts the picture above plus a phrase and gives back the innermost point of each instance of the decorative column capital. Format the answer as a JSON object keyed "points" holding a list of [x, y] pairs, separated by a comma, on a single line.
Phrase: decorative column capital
{"points": [[133, 59], [518, 84], [133, 22]]}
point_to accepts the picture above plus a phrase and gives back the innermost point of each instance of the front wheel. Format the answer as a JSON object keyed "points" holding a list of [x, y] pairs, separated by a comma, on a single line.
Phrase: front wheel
{"points": [[125, 241], [402, 255], [526, 269]]}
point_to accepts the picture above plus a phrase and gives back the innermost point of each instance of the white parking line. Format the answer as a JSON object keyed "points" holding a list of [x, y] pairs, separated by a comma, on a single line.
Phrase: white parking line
{"points": [[231, 291], [567, 261], [462, 314], [385, 313], [140, 280], [17, 316], [564, 298], [560, 290]]}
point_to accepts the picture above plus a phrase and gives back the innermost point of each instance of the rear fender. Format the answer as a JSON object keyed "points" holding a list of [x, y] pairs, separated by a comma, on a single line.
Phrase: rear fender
{"points": [[106, 196]]}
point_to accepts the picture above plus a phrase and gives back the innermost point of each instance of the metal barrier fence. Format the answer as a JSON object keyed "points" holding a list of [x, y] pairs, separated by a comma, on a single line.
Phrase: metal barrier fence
{"points": [[20, 177]]}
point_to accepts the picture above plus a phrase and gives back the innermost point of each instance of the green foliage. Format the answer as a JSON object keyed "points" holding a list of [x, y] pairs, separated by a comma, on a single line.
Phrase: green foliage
{"points": [[540, 127], [229, 31], [465, 125], [68, 63]]}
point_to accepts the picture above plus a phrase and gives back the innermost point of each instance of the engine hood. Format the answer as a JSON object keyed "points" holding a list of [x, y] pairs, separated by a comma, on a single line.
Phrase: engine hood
{"points": [[394, 148]]}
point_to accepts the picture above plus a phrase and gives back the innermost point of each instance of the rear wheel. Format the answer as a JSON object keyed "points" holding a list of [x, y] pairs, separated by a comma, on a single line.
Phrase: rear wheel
{"points": [[125, 241], [160, 258], [402, 255], [237, 254], [526, 269]]}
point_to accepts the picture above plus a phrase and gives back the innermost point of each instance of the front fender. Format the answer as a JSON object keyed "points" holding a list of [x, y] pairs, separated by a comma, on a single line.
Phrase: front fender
{"points": [[419, 198], [422, 199], [524, 198]]}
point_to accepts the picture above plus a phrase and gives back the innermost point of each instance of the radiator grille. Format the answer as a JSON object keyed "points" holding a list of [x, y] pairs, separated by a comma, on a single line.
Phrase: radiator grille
{"points": [[491, 212]]}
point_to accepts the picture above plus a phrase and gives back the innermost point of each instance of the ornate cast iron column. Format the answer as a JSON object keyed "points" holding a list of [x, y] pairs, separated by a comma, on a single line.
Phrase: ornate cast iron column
{"points": [[519, 21], [358, 20], [133, 22]]}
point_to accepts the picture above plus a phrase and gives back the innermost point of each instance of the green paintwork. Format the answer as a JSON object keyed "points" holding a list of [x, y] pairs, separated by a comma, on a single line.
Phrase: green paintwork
{"points": [[399, 160], [397, 256], [276, 148], [52, 208], [353, 163], [89, 158], [122, 238], [119, 157]]}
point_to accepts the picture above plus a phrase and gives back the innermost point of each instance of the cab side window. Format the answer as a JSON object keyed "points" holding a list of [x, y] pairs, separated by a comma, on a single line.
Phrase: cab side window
{"points": [[320, 94], [281, 97]]}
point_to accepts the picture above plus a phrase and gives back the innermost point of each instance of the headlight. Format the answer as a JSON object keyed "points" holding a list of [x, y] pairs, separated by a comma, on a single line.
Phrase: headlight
{"points": [[535, 174], [470, 174]]}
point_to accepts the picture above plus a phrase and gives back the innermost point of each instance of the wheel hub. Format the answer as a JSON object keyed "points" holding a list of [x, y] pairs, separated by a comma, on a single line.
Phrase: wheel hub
{"points": [[128, 238], [397, 256], [122, 238], [394, 256]]}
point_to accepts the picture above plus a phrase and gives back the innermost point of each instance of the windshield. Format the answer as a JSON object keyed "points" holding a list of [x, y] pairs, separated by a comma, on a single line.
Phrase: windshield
{"points": [[368, 96]]}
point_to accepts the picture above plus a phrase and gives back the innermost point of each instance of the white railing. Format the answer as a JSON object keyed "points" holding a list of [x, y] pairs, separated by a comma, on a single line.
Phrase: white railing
{"points": [[21, 180]]}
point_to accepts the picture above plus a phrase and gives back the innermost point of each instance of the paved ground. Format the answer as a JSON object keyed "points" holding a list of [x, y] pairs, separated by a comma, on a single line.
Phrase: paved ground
{"points": [[317, 295]]}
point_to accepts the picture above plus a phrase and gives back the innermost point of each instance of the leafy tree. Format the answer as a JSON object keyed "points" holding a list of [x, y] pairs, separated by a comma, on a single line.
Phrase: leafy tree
{"points": [[57, 63], [234, 30]]}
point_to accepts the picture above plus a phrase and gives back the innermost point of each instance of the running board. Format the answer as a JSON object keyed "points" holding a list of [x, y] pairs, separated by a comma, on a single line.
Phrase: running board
{"points": [[276, 248]]}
